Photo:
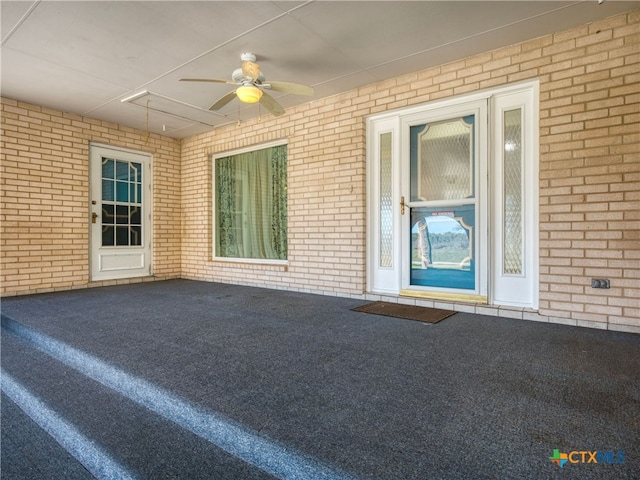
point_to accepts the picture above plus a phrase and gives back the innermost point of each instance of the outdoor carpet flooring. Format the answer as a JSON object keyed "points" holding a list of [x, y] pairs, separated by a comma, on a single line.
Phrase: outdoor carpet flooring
{"points": [[192, 380]]}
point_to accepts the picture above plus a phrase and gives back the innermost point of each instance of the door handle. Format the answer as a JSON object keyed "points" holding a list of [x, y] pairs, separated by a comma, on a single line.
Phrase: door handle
{"points": [[402, 204], [94, 216]]}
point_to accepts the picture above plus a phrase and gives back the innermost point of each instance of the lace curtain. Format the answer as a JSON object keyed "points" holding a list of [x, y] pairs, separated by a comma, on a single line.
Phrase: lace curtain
{"points": [[251, 204]]}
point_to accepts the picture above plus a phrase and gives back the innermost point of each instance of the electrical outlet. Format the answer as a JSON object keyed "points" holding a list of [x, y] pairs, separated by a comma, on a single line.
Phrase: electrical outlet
{"points": [[600, 283]]}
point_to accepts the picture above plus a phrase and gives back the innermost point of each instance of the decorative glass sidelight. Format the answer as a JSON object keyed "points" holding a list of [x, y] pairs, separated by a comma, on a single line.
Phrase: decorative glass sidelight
{"points": [[121, 203], [512, 195], [386, 201]]}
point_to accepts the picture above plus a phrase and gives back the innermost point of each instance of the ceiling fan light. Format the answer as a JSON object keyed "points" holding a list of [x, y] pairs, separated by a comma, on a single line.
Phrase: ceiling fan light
{"points": [[249, 94]]}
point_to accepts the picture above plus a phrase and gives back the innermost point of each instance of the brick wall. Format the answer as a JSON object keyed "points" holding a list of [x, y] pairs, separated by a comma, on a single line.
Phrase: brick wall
{"points": [[44, 166], [589, 173], [326, 204]]}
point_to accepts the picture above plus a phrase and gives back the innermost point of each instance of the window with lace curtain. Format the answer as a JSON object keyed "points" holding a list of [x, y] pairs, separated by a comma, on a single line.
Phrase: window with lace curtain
{"points": [[250, 204]]}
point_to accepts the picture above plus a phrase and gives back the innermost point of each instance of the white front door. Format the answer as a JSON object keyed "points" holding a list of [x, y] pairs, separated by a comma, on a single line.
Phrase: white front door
{"points": [[120, 213], [444, 192]]}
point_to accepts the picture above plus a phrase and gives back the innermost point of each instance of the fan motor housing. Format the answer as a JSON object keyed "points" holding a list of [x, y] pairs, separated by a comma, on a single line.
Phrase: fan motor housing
{"points": [[247, 57], [239, 77]]}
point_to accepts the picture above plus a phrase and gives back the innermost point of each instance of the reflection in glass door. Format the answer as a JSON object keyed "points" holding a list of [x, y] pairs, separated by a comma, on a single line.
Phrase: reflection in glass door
{"points": [[443, 200], [442, 247]]}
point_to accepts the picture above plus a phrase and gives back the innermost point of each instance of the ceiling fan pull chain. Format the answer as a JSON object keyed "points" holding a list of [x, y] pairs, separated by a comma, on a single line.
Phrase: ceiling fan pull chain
{"points": [[146, 142]]}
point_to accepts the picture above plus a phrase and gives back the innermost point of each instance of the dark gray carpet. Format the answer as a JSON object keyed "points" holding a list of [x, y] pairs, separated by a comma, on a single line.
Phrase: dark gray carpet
{"points": [[373, 396], [29, 453]]}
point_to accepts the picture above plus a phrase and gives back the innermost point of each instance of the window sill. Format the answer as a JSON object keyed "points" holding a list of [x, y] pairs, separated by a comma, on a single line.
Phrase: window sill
{"points": [[253, 262]]}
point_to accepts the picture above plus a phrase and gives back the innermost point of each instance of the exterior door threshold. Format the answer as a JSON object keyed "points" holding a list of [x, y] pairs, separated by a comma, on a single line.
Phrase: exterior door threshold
{"points": [[449, 297]]}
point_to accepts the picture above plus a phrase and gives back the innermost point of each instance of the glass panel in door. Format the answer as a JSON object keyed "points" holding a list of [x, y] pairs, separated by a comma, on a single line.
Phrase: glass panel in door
{"points": [[442, 247], [121, 203], [443, 204]]}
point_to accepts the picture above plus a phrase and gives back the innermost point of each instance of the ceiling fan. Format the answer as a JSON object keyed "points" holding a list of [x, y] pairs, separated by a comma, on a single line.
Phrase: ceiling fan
{"points": [[251, 87]]}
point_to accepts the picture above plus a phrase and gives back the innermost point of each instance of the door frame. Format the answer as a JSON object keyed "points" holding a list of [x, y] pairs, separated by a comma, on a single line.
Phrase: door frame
{"points": [[388, 280], [514, 289], [96, 273]]}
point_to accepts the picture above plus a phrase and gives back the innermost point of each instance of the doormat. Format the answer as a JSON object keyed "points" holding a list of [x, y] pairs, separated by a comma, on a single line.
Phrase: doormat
{"points": [[410, 312]]}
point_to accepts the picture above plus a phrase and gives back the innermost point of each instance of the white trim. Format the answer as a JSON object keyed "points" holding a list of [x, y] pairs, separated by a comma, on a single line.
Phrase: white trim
{"points": [[118, 148], [250, 148], [451, 101], [520, 290], [382, 279], [252, 261]]}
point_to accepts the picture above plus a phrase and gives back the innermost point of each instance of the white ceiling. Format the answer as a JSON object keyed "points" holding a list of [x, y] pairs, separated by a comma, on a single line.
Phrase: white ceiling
{"points": [[85, 57]]}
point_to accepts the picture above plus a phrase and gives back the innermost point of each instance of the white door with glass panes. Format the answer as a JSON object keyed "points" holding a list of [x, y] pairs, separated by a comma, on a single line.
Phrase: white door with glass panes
{"points": [[452, 199], [119, 213]]}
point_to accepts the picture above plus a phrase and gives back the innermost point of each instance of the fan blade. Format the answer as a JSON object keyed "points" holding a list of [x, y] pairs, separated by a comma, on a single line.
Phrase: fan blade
{"points": [[294, 88], [223, 101], [270, 104], [214, 80], [251, 70]]}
